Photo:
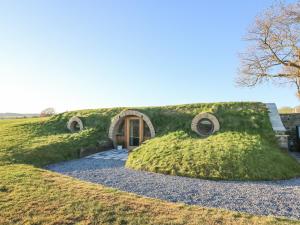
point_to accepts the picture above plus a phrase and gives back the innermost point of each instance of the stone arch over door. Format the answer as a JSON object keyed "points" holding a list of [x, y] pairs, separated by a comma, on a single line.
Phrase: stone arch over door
{"points": [[117, 120]]}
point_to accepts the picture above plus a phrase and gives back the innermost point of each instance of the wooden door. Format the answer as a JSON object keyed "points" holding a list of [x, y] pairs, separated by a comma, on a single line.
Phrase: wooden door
{"points": [[134, 127]]}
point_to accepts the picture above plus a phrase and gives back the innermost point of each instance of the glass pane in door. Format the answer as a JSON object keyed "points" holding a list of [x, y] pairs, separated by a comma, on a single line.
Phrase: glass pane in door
{"points": [[134, 132]]}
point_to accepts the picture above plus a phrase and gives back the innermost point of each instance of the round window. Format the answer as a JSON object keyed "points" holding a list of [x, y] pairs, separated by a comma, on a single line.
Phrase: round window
{"points": [[205, 127], [205, 124], [75, 126]]}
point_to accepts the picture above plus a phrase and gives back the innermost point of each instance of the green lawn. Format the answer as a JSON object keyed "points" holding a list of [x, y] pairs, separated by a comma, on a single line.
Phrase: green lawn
{"points": [[29, 195], [32, 195]]}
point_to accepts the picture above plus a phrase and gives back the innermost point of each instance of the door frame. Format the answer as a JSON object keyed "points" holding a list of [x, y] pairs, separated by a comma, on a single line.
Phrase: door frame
{"points": [[127, 131]]}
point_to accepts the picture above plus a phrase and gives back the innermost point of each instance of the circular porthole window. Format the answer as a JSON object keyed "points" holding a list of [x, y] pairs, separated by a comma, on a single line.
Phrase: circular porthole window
{"points": [[205, 127], [205, 124], [75, 124]]}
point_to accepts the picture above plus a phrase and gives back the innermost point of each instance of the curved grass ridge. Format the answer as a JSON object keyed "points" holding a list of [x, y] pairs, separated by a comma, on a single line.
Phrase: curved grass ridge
{"points": [[227, 156]]}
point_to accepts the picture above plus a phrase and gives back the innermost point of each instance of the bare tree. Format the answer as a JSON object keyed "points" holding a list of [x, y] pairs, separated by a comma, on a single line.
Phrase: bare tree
{"points": [[47, 112], [273, 53]]}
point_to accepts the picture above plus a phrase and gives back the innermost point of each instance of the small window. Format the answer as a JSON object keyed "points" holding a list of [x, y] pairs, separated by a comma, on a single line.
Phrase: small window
{"points": [[205, 127], [75, 126], [205, 124]]}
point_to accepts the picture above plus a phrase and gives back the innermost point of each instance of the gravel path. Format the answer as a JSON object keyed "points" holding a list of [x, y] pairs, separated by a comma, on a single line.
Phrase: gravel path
{"points": [[279, 198]]}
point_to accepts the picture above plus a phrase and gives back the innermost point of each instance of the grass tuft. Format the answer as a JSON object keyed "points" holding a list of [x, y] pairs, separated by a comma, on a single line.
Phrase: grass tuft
{"points": [[3, 188]]}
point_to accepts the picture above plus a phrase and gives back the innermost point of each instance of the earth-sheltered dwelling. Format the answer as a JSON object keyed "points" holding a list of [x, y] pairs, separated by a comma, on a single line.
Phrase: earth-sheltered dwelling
{"points": [[130, 128], [238, 140]]}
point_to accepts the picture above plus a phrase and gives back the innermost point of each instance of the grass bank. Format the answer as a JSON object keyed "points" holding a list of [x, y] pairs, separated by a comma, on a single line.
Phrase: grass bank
{"points": [[226, 155]]}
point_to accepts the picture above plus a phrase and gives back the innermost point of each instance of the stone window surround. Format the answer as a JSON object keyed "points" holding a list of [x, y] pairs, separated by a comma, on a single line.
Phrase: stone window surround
{"points": [[205, 115], [71, 121]]}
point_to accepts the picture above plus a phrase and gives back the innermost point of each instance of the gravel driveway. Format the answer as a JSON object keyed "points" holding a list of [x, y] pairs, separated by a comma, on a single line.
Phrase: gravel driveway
{"points": [[279, 198]]}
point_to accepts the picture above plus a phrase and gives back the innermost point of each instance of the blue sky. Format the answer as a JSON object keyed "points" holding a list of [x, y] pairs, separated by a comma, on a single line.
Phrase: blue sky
{"points": [[90, 54]]}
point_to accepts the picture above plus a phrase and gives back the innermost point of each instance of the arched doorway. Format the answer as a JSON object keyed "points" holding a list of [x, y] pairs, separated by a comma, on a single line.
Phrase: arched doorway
{"points": [[131, 128]]}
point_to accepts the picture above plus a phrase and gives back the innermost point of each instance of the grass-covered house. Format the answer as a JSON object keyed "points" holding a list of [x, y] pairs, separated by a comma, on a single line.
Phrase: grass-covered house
{"points": [[213, 141], [233, 141]]}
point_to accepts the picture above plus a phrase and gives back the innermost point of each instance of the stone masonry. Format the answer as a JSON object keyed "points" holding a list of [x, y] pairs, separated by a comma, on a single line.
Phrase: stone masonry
{"points": [[117, 119], [290, 122]]}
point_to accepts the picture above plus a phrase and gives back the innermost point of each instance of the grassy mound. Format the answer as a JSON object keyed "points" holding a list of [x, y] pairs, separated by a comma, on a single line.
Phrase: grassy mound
{"points": [[227, 155], [42, 141], [244, 149]]}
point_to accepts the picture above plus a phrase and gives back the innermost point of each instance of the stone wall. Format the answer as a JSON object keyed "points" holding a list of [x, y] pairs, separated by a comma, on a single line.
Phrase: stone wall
{"points": [[283, 141], [290, 121]]}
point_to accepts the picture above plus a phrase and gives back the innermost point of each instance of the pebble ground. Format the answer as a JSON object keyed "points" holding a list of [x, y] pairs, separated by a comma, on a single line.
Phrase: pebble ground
{"points": [[277, 198]]}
